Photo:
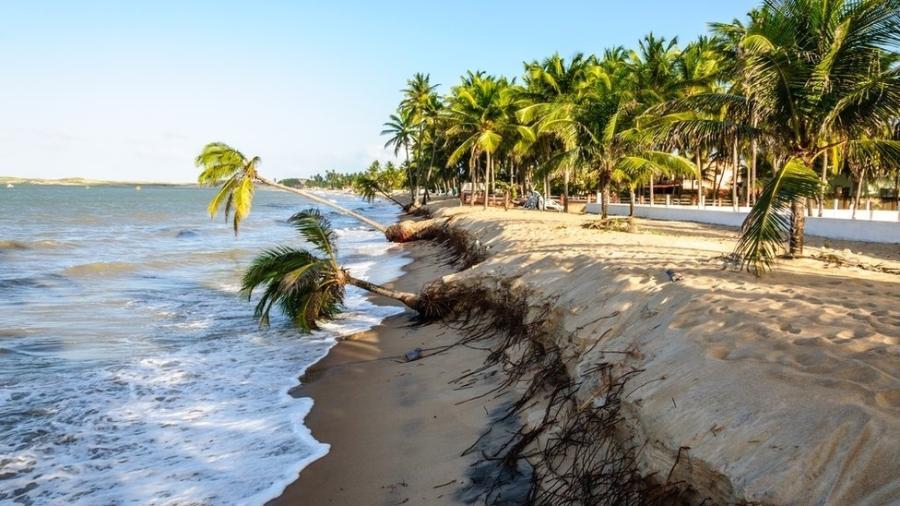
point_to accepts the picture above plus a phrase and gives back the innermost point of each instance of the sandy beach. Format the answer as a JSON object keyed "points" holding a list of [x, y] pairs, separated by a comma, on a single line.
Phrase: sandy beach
{"points": [[747, 389], [397, 429]]}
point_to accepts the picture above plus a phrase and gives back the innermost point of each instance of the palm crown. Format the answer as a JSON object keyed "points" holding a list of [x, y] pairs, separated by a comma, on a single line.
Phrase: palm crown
{"points": [[226, 166], [229, 167], [307, 285]]}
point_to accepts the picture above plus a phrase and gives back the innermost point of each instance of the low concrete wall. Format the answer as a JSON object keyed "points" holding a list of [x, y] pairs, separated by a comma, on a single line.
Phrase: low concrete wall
{"points": [[832, 228]]}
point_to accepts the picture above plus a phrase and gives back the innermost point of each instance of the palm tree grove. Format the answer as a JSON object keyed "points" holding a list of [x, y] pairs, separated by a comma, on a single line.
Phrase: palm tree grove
{"points": [[794, 95], [769, 116], [500, 253]]}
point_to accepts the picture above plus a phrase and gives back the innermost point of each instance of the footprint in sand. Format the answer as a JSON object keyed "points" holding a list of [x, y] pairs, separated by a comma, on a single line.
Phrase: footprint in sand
{"points": [[843, 335], [811, 341], [718, 352], [789, 327], [888, 398], [810, 359]]}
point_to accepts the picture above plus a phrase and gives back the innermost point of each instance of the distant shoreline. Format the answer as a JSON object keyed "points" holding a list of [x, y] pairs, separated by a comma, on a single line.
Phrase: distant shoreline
{"points": [[77, 181]]}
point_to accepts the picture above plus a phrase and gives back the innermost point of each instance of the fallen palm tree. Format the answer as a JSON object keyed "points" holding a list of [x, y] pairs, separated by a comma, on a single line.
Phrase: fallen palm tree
{"points": [[369, 188], [309, 286], [574, 453]]}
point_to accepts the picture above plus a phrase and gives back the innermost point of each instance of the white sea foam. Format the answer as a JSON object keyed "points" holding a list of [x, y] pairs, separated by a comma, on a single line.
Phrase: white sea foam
{"points": [[176, 397]]}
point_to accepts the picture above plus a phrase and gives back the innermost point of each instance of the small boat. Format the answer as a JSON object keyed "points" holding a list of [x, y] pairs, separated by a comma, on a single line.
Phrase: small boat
{"points": [[9, 185], [138, 188]]}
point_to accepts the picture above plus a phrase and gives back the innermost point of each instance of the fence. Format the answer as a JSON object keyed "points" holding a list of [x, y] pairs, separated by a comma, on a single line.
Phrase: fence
{"points": [[884, 227]]}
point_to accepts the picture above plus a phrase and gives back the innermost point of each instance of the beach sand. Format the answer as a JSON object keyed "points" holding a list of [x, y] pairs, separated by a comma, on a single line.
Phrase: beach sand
{"points": [[396, 429], [782, 389]]}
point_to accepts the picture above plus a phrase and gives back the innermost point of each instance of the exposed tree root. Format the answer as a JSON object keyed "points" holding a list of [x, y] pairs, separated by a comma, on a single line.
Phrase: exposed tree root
{"points": [[577, 452]]}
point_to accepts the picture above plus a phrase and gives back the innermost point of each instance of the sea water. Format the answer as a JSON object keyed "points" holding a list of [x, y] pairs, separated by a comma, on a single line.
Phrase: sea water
{"points": [[131, 369]]}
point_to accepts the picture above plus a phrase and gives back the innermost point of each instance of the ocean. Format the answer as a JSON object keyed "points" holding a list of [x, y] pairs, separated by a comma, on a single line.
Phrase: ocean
{"points": [[131, 369]]}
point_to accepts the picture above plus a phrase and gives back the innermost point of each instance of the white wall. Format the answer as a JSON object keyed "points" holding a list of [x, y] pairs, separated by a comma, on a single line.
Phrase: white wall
{"points": [[833, 228]]}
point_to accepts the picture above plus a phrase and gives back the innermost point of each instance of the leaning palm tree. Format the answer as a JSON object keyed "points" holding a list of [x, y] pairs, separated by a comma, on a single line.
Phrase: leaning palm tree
{"points": [[223, 165], [369, 187], [308, 286]]}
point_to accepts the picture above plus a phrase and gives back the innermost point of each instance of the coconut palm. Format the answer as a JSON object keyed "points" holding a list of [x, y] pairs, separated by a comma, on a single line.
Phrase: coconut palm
{"points": [[822, 78], [640, 166], [598, 127], [478, 115], [223, 165], [308, 286], [369, 188], [553, 85], [817, 76], [422, 103], [402, 131]]}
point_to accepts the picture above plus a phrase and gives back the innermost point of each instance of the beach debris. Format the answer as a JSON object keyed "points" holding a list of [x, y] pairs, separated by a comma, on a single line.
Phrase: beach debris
{"points": [[832, 259], [673, 276], [414, 354], [610, 225]]}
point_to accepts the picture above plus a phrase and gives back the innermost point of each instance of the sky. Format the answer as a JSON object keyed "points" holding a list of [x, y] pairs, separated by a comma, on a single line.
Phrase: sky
{"points": [[134, 90]]}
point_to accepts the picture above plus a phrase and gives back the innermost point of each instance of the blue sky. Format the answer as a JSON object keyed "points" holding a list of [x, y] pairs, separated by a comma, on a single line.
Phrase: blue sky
{"points": [[132, 91]]}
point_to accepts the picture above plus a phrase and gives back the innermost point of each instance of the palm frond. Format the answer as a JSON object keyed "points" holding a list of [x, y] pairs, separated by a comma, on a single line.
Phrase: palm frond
{"points": [[219, 161], [765, 229], [315, 229], [227, 166], [367, 188], [293, 279]]}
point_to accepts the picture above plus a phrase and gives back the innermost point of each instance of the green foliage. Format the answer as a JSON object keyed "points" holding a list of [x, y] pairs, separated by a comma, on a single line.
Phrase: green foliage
{"points": [[306, 287], [222, 164], [293, 182], [765, 229], [796, 80]]}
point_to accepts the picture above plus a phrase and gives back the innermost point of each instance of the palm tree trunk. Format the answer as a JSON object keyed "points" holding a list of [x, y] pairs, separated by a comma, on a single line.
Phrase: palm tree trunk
{"points": [[717, 199], [546, 191], [651, 191], [735, 171], [824, 182], [324, 202], [751, 172], [408, 299], [859, 187], [604, 186], [566, 190], [798, 224], [475, 173], [631, 202], [430, 165], [604, 206], [493, 179], [487, 179], [409, 174], [699, 160], [390, 197], [752, 186]]}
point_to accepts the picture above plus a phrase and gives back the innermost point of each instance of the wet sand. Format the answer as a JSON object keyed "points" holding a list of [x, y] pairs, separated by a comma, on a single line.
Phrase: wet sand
{"points": [[396, 428]]}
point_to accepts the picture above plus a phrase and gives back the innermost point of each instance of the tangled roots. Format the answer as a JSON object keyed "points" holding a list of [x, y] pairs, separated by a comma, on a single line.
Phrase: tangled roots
{"points": [[577, 452]]}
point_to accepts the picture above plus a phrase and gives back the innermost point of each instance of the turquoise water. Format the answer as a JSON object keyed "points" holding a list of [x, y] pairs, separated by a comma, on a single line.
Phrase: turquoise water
{"points": [[131, 371]]}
